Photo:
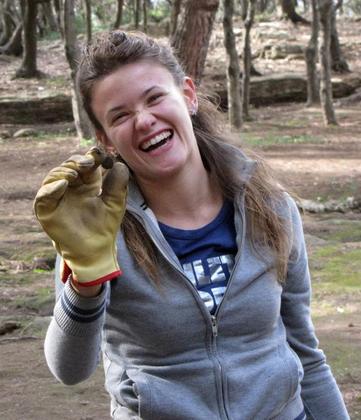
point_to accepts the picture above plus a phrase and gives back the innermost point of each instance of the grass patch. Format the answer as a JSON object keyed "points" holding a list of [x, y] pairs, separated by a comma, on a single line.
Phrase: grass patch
{"points": [[344, 357], [43, 299], [336, 269], [25, 278], [87, 142], [272, 139], [350, 231]]}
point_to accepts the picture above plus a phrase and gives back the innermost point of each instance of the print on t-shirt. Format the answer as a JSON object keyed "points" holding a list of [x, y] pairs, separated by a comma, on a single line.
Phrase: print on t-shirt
{"points": [[210, 277]]}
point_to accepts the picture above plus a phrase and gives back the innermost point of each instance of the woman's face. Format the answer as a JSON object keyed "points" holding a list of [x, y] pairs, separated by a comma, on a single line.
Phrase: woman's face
{"points": [[146, 118]]}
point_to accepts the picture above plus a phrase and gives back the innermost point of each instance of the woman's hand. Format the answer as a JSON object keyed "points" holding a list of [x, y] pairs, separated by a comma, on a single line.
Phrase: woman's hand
{"points": [[81, 212]]}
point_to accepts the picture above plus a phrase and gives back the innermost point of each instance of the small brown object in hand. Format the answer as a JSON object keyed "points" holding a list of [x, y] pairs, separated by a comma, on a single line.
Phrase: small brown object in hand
{"points": [[101, 157]]}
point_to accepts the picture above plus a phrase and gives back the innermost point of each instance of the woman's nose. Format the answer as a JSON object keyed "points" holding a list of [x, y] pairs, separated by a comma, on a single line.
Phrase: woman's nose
{"points": [[144, 120]]}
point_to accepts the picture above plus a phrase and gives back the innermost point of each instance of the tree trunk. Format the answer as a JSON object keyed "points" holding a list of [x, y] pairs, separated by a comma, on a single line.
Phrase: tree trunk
{"points": [[191, 38], [49, 16], [339, 64], [72, 51], [176, 9], [262, 6], [7, 24], [233, 70], [136, 14], [145, 16], [88, 15], [58, 14], [313, 85], [325, 10], [289, 11], [119, 18], [247, 57], [28, 68], [14, 45]]}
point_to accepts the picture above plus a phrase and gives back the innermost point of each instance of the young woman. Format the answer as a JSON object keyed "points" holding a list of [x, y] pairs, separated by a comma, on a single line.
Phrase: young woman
{"points": [[210, 318]]}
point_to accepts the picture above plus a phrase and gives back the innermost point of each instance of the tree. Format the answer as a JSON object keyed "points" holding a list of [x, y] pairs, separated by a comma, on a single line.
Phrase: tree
{"points": [[72, 51], [233, 70], [136, 14], [191, 38], [311, 54], [88, 19], [247, 56], [339, 63], [119, 17], [325, 10], [289, 11], [28, 67], [145, 16], [11, 27], [175, 12], [49, 16], [7, 22]]}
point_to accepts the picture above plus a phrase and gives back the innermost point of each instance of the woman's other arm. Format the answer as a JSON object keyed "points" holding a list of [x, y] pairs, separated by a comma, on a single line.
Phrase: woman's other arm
{"points": [[320, 393]]}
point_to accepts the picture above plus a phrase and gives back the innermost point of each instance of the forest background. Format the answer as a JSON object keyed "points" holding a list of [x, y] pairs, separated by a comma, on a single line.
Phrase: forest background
{"points": [[287, 76]]}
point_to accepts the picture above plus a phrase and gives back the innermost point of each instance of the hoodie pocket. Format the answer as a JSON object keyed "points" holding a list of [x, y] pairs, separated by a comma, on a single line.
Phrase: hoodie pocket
{"points": [[135, 393], [294, 366]]}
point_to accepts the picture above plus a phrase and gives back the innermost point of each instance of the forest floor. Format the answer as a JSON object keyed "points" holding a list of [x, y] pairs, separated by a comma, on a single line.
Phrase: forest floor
{"points": [[314, 162]]}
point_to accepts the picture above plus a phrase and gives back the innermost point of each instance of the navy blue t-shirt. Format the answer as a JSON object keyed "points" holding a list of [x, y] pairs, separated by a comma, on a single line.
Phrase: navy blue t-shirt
{"points": [[207, 254]]}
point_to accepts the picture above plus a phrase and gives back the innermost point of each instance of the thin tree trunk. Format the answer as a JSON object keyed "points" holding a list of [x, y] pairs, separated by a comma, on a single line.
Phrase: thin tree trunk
{"points": [[176, 9], [339, 63], [88, 15], [313, 84], [49, 16], [136, 14], [289, 11], [233, 70], [14, 45], [325, 10], [145, 16], [191, 39], [58, 14], [247, 57], [119, 18], [7, 23], [72, 51], [28, 68]]}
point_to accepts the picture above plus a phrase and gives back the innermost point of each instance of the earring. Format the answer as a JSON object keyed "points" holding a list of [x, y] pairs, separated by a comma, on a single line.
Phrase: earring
{"points": [[193, 111]]}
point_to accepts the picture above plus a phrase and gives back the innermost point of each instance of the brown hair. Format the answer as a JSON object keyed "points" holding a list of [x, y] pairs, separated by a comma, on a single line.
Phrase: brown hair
{"points": [[261, 192]]}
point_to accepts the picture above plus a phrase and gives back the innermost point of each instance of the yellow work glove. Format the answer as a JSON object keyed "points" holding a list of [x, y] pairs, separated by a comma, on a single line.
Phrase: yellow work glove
{"points": [[82, 212]]}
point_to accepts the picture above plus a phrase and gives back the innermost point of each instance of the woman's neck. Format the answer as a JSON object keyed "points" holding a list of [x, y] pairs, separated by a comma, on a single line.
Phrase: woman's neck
{"points": [[188, 200]]}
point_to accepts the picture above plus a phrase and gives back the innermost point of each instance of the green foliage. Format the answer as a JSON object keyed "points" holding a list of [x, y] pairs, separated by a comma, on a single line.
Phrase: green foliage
{"points": [[336, 268], [159, 11], [272, 139]]}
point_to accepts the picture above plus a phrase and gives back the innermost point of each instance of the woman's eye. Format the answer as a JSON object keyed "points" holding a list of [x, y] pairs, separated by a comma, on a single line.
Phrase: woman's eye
{"points": [[119, 117], [154, 97]]}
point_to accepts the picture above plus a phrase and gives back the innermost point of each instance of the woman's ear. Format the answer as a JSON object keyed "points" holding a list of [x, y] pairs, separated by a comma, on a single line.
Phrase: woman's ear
{"points": [[103, 139], [190, 95]]}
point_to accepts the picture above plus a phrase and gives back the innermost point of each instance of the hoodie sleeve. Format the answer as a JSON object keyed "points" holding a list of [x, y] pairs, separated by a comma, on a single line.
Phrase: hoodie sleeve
{"points": [[320, 394], [72, 342]]}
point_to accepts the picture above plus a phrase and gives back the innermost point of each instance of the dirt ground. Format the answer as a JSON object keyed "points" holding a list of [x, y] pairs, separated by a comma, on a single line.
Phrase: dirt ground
{"points": [[314, 162]]}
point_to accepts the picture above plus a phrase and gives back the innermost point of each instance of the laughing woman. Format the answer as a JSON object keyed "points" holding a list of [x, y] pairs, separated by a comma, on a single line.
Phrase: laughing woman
{"points": [[195, 285]]}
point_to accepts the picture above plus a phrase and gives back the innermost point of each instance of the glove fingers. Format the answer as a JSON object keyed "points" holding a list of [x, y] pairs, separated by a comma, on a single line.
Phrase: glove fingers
{"points": [[87, 168], [115, 185], [48, 197], [59, 173]]}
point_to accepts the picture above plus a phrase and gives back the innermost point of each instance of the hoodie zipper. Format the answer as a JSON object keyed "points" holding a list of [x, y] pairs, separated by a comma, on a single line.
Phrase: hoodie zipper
{"points": [[213, 318]]}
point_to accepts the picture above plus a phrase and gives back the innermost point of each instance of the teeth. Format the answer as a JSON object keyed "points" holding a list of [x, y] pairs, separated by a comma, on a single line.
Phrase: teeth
{"points": [[155, 140]]}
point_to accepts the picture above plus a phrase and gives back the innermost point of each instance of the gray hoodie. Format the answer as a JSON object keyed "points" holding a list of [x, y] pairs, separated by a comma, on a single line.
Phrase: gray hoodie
{"points": [[166, 358]]}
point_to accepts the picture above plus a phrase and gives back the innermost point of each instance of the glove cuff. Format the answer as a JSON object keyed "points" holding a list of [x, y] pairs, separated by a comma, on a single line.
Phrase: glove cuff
{"points": [[100, 280], [66, 272]]}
